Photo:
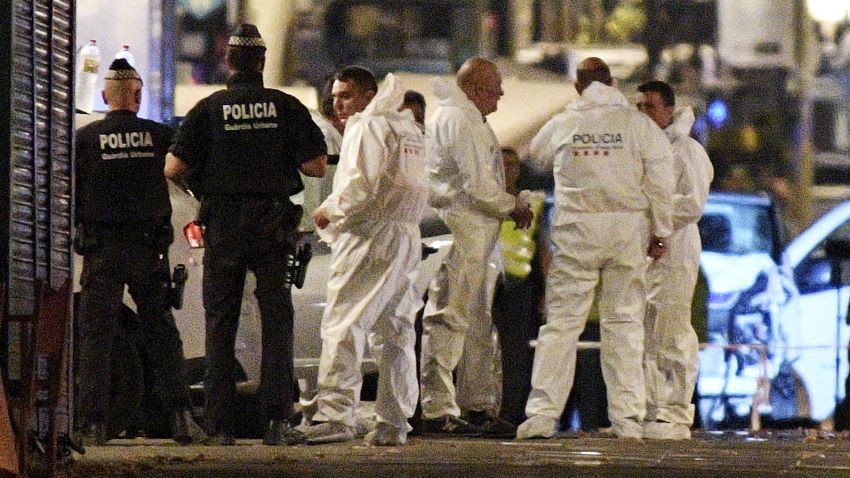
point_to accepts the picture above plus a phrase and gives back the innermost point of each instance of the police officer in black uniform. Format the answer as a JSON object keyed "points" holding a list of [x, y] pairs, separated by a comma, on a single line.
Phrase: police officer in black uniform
{"points": [[123, 218], [243, 147]]}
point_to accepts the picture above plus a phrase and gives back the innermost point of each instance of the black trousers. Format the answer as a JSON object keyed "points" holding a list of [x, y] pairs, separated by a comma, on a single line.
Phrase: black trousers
{"points": [[589, 396], [243, 234], [123, 259], [517, 319]]}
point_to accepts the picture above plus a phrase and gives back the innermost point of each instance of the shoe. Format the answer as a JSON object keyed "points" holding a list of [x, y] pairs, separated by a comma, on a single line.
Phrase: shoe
{"points": [[281, 432], [627, 429], [537, 426], [305, 425], [329, 432], [185, 430], [96, 434], [492, 426], [661, 430], [450, 425], [385, 434], [364, 425], [220, 439]]}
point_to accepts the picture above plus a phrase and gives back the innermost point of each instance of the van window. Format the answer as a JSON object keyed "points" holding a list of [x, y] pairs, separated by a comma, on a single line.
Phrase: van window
{"points": [[737, 228], [818, 270], [830, 126]]}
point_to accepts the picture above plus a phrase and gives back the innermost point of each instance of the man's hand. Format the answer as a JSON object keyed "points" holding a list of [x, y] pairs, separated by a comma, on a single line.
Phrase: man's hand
{"points": [[320, 218], [522, 214], [316, 167], [657, 247]]}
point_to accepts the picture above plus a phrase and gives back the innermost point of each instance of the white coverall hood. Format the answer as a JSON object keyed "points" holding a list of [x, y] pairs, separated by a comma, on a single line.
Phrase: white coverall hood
{"points": [[683, 122], [449, 94], [386, 102], [598, 94]]}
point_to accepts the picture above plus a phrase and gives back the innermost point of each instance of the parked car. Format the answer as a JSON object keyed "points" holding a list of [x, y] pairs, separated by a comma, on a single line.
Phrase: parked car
{"points": [[777, 314]]}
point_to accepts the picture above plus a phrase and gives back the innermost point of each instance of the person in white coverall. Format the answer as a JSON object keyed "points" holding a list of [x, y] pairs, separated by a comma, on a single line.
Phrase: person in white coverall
{"points": [[380, 194], [317, 189], [613, 190], [468, 188], [671, 345]]}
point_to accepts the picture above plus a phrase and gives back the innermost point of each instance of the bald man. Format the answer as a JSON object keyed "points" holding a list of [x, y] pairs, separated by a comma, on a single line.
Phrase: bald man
{"points": [[123, 216], [468, 188], [613, 190]]}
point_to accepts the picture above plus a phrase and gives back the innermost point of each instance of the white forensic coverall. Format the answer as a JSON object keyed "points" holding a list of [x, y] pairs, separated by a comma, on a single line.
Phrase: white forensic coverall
{"points": [[468, 188], [612, 190], [671, 355], [380, 193]]}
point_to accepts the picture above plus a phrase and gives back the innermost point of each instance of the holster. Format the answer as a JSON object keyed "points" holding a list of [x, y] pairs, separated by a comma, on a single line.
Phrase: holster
{"points": [[177, 284], [287, 217], [302, 255], [85, 239], [296, 265], [159, 237]]}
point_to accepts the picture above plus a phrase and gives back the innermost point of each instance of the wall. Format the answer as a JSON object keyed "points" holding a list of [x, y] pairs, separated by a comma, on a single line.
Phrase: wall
{"points": [[113, 26], [272, 18]]}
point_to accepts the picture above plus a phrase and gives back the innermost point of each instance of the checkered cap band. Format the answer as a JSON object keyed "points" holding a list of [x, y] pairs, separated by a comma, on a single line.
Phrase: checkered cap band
{"points": [[122, 75], [120, 69], [247, 35], [255, 42]]}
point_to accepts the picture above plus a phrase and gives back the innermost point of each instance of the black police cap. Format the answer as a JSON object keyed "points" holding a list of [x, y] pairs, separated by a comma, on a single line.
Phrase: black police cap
{"points": [[120, 69], [247, 36]]}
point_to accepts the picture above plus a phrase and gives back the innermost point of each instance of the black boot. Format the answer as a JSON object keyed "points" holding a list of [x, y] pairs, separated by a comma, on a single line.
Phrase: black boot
{"points": [[184, 429], [280, 432], [95, 434], [493, 426]]}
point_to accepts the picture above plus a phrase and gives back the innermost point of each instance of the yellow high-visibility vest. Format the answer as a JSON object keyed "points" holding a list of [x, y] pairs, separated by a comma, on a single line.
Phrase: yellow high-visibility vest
{"points": [[518, 245]]}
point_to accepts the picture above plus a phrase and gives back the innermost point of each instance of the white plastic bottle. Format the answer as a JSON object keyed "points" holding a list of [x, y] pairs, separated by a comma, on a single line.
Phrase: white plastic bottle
{"points": [[127, 55], [88, 66]]}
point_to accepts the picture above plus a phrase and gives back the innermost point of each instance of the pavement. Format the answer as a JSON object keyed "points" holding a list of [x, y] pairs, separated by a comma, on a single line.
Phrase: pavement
{"points": [[794, 453]]}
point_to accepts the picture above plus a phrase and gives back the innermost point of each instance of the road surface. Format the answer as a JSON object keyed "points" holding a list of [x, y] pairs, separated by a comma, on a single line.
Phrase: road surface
{"points": [[800, 453]]}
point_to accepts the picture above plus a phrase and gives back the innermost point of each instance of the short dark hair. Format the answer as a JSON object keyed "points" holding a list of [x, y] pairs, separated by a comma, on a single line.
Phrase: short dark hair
{"points": [[662, 88], [326, 99], [363, 78], [245, 59], [411, 96]]}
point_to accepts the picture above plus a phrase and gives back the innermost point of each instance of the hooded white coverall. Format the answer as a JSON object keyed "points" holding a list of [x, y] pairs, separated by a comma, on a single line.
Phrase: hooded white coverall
{"points": [[670, 359], [380, 193], [612, 190], [468, 187]]}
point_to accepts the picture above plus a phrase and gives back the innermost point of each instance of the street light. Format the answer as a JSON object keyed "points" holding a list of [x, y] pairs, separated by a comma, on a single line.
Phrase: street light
{"points": [[828, 11]]}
